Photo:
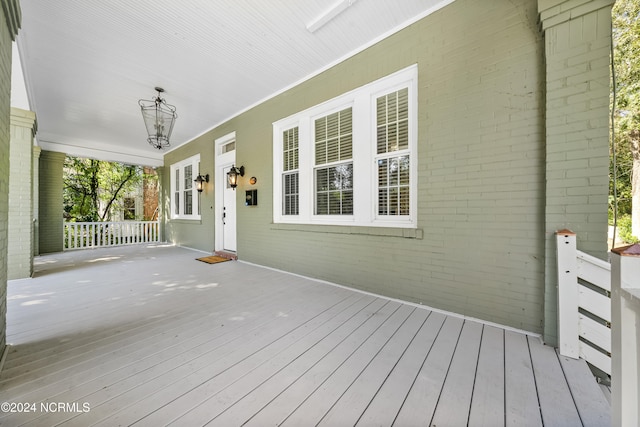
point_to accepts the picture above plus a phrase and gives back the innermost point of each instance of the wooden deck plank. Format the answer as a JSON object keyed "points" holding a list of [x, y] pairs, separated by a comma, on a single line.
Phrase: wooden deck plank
{"points": [[385, 405], [268, 341], [147, 301], [420, 404], [312, 408], [556, 403], [129, 390], [241, 377], [280, 397], [521, 397], [120, 338], [455, 399], [591, 402], [354, 401], [69, 348], [143, 289], [148, 370], [96, 373], [333, 371], [487, 404], [248, 401], [60, 286], [138, 334], [108, 309]]}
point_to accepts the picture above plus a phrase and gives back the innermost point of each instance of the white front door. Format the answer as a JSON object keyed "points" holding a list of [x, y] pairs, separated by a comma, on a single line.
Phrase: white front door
{"points": [[228, 215], [225, 197]]}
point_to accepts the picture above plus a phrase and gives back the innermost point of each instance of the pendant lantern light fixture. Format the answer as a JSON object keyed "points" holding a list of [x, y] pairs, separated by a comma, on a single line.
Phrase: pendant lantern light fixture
{"points": [[159, 118]]}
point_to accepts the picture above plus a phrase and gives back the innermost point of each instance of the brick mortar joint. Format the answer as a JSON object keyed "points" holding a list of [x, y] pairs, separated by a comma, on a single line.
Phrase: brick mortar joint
{"points": [[557, 15]]}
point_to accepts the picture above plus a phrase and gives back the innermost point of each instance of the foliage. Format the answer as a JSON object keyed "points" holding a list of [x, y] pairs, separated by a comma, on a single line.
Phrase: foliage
{"points": [[92, 188], [626, 39], [624, 230]]}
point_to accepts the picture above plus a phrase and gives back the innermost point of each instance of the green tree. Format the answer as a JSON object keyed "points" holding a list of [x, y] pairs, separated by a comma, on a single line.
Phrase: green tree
{"points": [[626, 113], [93, 187]]}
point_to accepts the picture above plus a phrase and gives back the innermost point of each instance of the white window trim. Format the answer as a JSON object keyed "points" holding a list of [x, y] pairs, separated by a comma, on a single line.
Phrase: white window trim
{"points": [[363, 102], [194, 161]]}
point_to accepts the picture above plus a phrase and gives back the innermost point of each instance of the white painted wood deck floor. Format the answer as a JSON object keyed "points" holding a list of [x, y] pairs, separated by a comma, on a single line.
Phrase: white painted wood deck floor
{"points": [[147, 336]]}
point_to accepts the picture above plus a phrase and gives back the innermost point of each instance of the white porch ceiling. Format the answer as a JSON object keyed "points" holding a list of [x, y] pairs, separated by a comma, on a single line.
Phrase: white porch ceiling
{"points": [[87, 62]]}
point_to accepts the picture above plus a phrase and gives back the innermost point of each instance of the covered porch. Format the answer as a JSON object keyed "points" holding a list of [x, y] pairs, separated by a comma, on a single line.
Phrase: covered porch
{"points": [[147, 335]]}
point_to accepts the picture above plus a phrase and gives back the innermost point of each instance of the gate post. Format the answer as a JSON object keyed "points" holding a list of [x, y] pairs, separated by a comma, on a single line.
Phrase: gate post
{"points": [[566, 252]]}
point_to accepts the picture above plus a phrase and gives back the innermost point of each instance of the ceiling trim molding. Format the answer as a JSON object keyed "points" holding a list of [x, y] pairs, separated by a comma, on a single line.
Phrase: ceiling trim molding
{"points": [[101, 154]]}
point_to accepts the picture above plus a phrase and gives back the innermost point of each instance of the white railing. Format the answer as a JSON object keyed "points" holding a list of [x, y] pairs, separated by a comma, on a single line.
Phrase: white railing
{"points": [[584, 304], [83, 235], [599, 317]]}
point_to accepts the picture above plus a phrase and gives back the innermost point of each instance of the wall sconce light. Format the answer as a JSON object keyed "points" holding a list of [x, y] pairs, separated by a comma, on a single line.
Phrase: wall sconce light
{"points": [[232, 176], [199, 182]]}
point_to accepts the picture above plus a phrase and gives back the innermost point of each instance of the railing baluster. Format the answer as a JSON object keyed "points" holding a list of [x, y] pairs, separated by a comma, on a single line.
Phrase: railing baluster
{"points": [[83, 235]]}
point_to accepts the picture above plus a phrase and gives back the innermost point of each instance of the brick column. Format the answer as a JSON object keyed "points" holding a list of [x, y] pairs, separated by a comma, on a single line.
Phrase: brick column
{"points": [[577, 35], [50, 202], [20, 244], [9, 25]]}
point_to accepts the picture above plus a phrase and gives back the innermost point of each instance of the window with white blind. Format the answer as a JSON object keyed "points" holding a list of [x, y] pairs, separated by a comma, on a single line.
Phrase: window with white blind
{"points": [[333, 138], [352, 159], [185, 198], [393, 154], [290, 184]]}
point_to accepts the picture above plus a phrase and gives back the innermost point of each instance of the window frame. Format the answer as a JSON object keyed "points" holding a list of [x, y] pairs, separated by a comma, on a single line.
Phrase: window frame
{"points": [[178, 209], [364, 156]]}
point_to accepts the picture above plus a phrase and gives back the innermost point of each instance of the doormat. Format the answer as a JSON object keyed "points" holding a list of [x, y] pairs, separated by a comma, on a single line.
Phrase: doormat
{"points": [[213, 259]]}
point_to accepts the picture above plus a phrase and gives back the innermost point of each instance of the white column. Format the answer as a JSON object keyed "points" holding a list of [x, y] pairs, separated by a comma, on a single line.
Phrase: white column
{"points": [[625, 313]]}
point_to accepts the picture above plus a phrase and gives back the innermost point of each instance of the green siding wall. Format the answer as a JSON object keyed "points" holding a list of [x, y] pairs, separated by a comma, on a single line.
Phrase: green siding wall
{"points": [[480, 159], [190, 233], [479, 249]]}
